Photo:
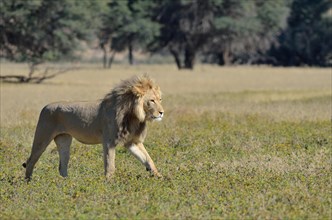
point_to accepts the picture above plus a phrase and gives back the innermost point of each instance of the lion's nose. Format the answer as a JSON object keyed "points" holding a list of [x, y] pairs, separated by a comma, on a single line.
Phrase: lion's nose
{"points": [[161, 113]]}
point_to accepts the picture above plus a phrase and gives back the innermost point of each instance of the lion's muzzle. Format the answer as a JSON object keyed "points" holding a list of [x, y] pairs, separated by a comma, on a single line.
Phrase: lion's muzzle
{"points": [[159, 117]]}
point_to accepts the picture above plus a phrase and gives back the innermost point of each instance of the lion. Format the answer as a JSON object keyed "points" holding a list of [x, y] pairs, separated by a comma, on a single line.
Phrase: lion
{"points": [[119, 118]]}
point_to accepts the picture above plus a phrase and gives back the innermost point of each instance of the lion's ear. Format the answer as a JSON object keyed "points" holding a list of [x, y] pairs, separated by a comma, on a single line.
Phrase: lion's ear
{"points": [[157, 88], [138, 91]]}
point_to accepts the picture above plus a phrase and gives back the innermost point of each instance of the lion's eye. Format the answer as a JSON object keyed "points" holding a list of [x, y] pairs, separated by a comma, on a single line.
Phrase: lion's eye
{"points": [[152, 101]]}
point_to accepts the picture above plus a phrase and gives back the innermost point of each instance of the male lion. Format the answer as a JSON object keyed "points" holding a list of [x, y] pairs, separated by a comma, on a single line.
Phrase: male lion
{"points": [[119, 118]]}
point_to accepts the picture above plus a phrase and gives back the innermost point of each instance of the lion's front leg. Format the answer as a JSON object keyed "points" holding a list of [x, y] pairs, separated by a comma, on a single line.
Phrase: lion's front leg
{"points": [[139, 151], [109, 159]]}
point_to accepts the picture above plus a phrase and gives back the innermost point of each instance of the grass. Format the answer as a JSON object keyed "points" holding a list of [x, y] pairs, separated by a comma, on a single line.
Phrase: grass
{"points": [[236, 143]]}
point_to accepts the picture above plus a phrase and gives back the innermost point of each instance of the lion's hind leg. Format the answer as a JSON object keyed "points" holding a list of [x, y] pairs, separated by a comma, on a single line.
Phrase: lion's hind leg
{"points": [[38, 148], [45, 133], [63, 142]]}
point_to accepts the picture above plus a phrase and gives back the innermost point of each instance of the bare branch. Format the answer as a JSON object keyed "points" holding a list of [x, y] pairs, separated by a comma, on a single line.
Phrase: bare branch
{"points": [[47, 74]]}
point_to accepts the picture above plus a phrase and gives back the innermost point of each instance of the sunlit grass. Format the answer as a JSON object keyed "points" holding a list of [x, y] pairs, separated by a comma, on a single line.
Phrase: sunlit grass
{"points": [[238, 143]]}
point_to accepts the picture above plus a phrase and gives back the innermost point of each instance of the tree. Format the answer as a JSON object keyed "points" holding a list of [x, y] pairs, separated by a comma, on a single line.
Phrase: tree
{"points": [[245, 29], [128, 25], [185, 28], [230, 30], [307, 39], [44, 30]]}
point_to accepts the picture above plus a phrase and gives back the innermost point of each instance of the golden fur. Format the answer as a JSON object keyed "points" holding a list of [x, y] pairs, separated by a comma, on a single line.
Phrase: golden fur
{"points": [[119, 118]]}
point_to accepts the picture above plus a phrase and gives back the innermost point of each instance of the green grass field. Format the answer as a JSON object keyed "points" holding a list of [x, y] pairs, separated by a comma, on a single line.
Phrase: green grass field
{"points": [[235, 143]]}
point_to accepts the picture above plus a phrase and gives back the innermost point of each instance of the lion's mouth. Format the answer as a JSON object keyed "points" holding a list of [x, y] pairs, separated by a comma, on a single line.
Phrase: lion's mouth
{"points": [[158, 118]]}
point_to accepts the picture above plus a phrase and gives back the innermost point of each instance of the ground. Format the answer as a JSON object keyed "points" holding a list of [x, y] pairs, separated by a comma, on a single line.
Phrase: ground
{"points": [[239, 142]]}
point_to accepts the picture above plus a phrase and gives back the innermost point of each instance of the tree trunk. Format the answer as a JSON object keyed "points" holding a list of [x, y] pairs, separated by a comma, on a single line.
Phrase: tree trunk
{"points": [[189, 58], [104, 46], [220, 57], [227, 57], [224, 57], [105, 55], [110, 61], [130, 55], [176, 58]]}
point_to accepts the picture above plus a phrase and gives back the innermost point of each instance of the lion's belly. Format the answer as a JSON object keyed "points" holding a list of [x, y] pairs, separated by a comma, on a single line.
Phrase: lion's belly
{"points": [[87, 133], [86, 137]]}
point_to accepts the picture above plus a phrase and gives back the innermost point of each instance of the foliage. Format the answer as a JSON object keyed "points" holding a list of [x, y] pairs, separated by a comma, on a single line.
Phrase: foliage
{"points": [[307, 40], [45, 30], [128, 24], [230, 30], [283, 32], [185, 28], [245, 29], [236, 31]]}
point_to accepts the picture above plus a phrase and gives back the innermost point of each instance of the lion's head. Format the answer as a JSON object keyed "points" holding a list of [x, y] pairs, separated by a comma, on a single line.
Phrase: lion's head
{"points": [[138, 96], [152, 105], [148, 104]]}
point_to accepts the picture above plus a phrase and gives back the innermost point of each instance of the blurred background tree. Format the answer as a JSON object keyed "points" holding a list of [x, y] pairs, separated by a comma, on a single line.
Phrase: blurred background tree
{"points": [[185, 28], [244, 30], [45, 30], [128, 25], [226, 32], [308, 38]]}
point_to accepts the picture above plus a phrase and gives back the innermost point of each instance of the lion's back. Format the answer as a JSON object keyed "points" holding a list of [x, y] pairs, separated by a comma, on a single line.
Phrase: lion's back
{"points": [[83, 110]]}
